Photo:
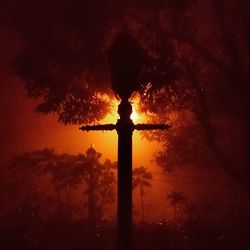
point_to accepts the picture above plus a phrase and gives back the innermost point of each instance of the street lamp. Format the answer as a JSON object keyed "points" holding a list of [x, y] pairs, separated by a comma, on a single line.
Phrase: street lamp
{"points": [[126, 59], [92, 157], [91, 154]]}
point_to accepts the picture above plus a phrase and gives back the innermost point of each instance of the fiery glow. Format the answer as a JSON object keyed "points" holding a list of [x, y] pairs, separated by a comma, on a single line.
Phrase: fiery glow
{"points": [[113, 115], [134, 116]]}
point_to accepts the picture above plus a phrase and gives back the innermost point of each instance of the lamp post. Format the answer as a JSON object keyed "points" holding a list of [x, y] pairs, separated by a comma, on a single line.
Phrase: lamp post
{"points": [[92, 157], [91, 154], [126, 59]]}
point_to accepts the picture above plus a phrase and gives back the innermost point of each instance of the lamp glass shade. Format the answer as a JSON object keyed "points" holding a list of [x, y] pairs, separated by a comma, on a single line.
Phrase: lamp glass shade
{"points": [[126, 59]]}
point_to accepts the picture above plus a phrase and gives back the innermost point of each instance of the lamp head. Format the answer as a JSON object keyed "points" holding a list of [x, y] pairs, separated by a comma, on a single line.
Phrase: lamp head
{"points": [[126, 59]]}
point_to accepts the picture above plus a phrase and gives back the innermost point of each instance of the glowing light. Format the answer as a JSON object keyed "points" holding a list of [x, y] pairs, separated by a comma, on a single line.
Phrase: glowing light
{"points": [[134, 116]]}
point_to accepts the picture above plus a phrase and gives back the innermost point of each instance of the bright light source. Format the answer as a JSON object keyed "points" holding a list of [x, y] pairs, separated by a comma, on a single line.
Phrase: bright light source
{"points": [[112, 117], [134, 116]]}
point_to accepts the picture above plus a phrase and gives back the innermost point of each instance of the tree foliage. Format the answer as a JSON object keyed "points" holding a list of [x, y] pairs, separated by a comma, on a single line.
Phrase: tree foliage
{"points": [[197, 70], [29, 173]]}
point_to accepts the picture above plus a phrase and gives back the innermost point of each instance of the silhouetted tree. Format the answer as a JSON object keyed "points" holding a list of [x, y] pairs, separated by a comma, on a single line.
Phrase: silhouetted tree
{"points": [[141, 179], [22, 179], [98, 177], [210, 75], [106, 185], [29, 172], [71, 171]]}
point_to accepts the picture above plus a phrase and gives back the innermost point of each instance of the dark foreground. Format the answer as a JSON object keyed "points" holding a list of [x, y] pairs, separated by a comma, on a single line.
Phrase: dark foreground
{"points": [[58, 234]]}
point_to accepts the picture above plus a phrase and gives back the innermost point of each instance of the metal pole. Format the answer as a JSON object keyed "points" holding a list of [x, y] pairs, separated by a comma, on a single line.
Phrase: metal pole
{"points": [[125, 127], [124, 211]]}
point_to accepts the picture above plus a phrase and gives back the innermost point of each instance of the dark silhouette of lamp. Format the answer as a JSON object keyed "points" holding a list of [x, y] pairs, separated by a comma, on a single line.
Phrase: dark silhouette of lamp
{"points": [[91, 153], [126, 59], [92, 157]]}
